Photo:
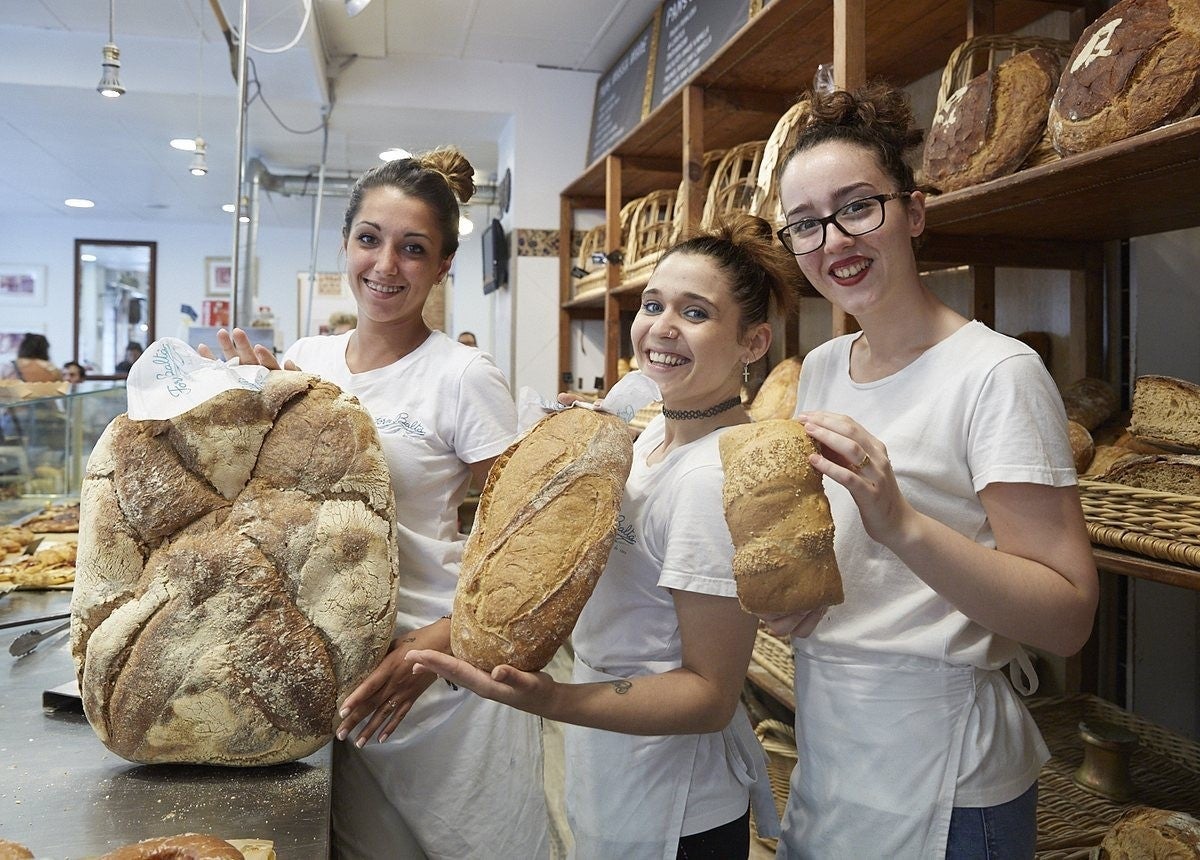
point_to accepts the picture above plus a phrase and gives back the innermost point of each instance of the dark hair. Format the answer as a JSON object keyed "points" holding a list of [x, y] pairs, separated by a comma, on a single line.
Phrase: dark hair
{"points": [[762, 274], [440, 178], [82, 369], [34, 346], [133, 344], [876, 117]]}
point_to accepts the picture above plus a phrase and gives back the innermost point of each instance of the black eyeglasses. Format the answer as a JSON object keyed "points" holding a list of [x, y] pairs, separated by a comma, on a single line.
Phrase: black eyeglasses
{"points": [[854, 219]]}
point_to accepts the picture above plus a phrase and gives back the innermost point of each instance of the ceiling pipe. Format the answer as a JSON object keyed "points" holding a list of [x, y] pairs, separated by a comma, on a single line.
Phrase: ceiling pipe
{"points": [[305, 184]]}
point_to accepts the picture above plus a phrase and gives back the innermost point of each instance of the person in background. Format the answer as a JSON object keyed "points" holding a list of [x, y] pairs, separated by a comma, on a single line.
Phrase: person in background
{"points": [[959, 532], [342, 322], [450, 775], [133, 351], [32, 363], [661, 758], [468, 338], [74, 372]]}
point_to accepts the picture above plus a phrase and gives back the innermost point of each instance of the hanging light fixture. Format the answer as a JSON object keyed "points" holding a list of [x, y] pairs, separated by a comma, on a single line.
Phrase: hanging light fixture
{"points": [[353, 7], [199, 165], [110, 81]]}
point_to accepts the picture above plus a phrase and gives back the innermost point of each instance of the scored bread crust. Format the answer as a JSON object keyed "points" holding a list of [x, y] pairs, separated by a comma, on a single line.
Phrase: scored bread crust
{"points": [[1166, 413], [545, 524], [1134, 68], [1163, 473], [228, 598], [779, 519]]}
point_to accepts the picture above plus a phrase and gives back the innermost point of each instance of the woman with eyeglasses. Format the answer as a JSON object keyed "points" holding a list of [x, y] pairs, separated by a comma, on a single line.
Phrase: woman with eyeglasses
{"points": [[959, 531]]}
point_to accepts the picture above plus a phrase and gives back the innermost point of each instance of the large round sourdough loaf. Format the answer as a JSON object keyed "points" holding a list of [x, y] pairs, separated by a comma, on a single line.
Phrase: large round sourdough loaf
{"points": [[1144, 833], [235, 576], [546, 521], [1136, 67], [987, 127], [779, 519]]}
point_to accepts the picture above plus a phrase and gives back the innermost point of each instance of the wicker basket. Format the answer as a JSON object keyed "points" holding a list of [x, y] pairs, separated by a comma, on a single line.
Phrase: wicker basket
{"points": [[782, 139], [1152, 524], [775, 656], [708, 169], [651, 228], [596, 279], [1165, 769], [988, 52], [734, 183], [779, 741]]}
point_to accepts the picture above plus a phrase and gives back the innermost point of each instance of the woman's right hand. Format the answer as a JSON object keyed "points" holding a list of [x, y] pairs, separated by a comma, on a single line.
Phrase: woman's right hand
{"points": [[237, 345]]}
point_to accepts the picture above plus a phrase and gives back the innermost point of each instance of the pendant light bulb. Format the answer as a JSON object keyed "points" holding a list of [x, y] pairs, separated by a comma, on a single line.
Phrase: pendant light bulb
{"points": [[110, 81], [199, 165]]}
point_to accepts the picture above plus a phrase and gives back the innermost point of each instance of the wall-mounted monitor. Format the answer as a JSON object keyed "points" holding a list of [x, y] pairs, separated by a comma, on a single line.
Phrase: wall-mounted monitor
{"points": [[495, 257]]}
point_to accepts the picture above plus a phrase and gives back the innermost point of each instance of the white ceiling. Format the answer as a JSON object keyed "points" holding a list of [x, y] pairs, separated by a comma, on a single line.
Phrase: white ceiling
{"points": [[59, 138]]}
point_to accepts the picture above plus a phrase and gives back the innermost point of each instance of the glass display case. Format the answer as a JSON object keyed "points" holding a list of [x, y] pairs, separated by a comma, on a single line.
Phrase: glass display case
{"points": [[47, 433]]}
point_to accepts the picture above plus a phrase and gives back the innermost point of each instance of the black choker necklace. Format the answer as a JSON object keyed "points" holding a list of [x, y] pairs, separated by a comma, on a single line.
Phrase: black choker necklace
{"points": [[689, 414]]}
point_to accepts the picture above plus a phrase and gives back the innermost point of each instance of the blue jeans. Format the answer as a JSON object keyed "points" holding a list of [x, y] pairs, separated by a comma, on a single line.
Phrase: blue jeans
{"points": [[1004, 832]]}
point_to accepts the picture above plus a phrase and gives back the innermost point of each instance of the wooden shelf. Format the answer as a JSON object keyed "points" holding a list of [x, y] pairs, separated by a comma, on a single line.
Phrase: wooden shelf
{"points": [[1130, 188], [752, 80], [1151, 570]]}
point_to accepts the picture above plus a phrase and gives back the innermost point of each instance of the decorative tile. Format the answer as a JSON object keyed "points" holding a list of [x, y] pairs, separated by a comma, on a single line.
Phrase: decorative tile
{"points": [[537, 243]]}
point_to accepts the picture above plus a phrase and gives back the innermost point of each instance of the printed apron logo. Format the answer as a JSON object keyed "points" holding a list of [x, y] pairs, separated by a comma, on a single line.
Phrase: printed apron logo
{"points": [[402, 423], [625, 533]]}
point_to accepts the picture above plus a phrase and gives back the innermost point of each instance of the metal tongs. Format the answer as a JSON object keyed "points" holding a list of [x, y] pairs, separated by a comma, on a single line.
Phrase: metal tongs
{"points": [[27, 642]]}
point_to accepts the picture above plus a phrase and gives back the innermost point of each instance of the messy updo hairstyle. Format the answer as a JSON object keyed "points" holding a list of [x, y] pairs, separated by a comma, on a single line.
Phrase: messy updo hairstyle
{"points": [[34, 345], [441, 179], [762, 274], [876, 117]]}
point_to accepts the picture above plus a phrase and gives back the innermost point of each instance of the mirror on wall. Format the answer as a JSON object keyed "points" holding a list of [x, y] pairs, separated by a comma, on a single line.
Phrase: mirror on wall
{"points": [[114, 303]]}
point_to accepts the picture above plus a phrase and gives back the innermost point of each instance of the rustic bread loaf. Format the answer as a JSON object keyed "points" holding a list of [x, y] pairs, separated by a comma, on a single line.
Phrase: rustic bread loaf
{"points": [[546, 521], [14, 851], [987, 127], [1105, 457], [1145, 833], [1163, 473], [185, 846], [1090, 402], [1136, 67], [1166, 413], [1082, 446], [779, 519], [777, 396], [235, 576]]}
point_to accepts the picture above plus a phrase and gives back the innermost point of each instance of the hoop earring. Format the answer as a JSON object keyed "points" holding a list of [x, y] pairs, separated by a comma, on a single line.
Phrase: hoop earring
{"points": [[745, 371]]}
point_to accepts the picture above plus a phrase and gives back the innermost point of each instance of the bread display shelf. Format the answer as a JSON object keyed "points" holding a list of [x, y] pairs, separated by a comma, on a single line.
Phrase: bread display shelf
{"points": [[1147, 523], [1165, 769]]}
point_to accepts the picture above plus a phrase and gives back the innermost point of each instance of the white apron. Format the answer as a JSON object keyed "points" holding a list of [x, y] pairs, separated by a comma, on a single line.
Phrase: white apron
{"points": [[910, 716], [638, 814]]}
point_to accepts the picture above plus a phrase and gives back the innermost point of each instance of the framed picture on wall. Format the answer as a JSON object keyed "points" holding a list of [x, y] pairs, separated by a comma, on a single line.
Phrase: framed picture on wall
{"points": [[11, 337], [218, 276], [22, 285]]}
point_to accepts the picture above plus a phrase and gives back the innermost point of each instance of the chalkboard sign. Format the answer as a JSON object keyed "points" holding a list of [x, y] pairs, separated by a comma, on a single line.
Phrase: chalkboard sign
{"points": [[622, 94], [691, 32]]}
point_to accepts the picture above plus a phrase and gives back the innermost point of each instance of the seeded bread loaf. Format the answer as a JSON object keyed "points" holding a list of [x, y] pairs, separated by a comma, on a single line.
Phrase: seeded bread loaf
{"points": [[546, 521], [1145, 833], [777, 396], [1163, 473], [779, 519], [1134, 68], [235, 575], [1090, 402], [1166, 413]]}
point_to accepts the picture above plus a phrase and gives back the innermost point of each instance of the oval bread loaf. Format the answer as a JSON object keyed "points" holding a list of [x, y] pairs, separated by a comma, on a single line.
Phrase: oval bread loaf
{"points": [[1090, 402], [777, 396], [235, 575], [546, 521], [1082, 446], [779, 519]]}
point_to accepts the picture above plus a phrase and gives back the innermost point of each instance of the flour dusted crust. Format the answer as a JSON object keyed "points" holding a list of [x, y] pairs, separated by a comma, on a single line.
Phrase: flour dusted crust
{"points": [[14, 851], [988, 127], [1145, 832], [235, 575], [1136, 67], [185, 846], [546, 521], [777, 396], [779, 519], [1166, 413]]}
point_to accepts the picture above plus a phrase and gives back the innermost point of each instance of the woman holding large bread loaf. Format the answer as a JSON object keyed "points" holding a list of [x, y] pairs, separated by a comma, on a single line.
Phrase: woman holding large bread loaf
{"points": [[452, 776], [661, 760], [959, 533]]}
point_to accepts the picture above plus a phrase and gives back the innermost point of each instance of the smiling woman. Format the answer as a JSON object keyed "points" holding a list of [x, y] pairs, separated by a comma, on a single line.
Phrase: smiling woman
{"points": [[114, 301]]}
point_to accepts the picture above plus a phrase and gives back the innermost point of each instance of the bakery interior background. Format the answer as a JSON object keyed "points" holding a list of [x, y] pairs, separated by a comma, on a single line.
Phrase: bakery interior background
{"points": [[510, 81]]}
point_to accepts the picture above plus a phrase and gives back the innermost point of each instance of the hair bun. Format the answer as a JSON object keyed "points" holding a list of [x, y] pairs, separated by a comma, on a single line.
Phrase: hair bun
{"points": [[454, 166]]}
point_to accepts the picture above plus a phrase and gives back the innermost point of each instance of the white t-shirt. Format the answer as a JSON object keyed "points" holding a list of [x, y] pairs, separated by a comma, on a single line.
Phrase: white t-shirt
{"points": [[438, 408], [975, 409], [671, 534]]}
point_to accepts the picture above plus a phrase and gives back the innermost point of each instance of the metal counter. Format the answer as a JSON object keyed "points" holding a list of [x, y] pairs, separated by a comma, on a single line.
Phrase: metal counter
{"points": [[65, 796]]}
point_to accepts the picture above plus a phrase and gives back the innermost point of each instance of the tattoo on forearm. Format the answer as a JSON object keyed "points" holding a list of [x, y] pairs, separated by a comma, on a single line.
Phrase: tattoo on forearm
{"points": [[621, 687], [409, 639]]}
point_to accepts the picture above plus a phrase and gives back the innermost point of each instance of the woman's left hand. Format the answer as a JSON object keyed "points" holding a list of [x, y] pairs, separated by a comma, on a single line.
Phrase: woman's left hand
{"points": [[859, 462], [390, 691]]}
